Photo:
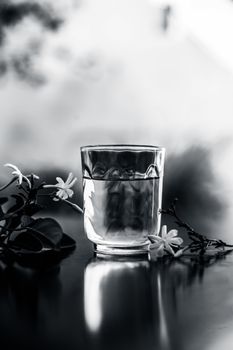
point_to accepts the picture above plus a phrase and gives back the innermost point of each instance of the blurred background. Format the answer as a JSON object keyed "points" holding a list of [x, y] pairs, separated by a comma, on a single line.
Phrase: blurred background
{"points": [[160, 72]]}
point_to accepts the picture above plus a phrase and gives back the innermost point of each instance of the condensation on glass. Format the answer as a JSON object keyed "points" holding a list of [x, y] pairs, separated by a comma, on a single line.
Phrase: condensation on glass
{"points": [[122, 189]]}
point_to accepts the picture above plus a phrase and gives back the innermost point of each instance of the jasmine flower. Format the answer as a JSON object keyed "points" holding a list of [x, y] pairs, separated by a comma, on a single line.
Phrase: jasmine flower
{"points": [[64, 187], [16, 172], [166, 242]]}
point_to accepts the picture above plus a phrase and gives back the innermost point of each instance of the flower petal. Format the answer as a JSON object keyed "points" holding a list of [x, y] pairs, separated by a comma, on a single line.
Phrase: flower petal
{"points": [[164, 231], [20, 179], [60, 193], [72, 182], [69, 178], [172, 233], [60, 182], [27, 180], [69, 192], [155, 238], [175, 240], [156, 245], [160, 252], [14, 167], [64, 195], [169, 249]]}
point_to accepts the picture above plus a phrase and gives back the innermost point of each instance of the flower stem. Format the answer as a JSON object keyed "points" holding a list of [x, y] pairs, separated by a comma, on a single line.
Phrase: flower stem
{"points": [[9, 183], [73, 205], [199, 242]]}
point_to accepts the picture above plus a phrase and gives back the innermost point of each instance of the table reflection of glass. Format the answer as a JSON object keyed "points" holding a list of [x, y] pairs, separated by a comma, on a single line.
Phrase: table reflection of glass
{"points": [[123, 305]]}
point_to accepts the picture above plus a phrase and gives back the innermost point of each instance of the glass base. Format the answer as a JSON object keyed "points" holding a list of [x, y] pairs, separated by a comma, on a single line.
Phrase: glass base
{"points": [[123, 251]]}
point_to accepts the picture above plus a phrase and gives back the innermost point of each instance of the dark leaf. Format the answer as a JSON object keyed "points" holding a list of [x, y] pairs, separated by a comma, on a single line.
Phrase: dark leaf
{"points": [[44, 258], [1, 214], [11, 223], [26, 220], [22, 195], [49, 229], [3, 200], [32, 209], [67, 242], [33, 194], [26, 241], [19, 203], [193, 237]]}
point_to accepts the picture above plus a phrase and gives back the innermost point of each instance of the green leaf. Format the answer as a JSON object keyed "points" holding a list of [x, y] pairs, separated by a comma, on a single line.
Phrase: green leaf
{"points": [[48, 229]]}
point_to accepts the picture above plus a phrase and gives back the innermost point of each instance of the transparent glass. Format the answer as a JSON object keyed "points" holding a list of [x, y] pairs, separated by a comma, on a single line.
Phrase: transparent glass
{"points": [[122, 189]]}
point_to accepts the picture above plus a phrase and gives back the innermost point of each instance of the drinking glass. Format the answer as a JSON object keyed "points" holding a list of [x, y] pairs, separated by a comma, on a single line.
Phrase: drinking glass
{"points": [[122, 189]]}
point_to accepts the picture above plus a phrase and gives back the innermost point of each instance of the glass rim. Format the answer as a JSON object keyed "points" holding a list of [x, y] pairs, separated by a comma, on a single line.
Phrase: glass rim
{"points": [[122, 147]]}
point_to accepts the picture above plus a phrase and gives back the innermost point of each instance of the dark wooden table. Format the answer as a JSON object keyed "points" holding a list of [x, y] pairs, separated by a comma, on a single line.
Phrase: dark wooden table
{"points": [[92, 303]]}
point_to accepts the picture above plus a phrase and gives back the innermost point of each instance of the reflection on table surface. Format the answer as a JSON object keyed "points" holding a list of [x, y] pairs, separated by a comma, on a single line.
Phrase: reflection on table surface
{"points": [[91, 302], [117, 304]]}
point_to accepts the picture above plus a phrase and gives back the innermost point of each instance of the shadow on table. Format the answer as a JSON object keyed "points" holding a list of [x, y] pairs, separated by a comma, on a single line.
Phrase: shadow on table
{"points": [[138, 304]]}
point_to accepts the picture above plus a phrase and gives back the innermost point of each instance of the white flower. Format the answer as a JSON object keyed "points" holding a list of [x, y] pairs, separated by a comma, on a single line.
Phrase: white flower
{"points": [[165, 242], [64, 188], [19, 174]]}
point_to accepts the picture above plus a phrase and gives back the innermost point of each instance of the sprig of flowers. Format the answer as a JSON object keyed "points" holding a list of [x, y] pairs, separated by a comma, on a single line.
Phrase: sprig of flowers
{"points": [[18, 174], [18, 227], [64, 187], [166, 243], [64, 191], [199, 244]]}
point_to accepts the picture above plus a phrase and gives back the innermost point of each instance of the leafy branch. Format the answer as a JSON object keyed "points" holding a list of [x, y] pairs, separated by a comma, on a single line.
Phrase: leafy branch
{"points": [[20, 231], [199, 242]]}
